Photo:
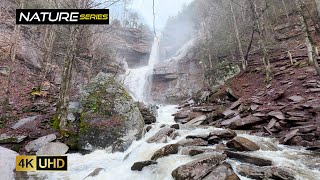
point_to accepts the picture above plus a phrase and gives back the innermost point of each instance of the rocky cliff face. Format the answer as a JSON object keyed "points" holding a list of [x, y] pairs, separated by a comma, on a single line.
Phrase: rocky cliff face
{"points": [[177, 78], [133, 45]]}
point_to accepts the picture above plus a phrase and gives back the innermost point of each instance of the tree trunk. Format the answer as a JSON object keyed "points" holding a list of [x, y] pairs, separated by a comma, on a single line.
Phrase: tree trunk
{"points": [[243, 61], [13, 53], [312, 55], [285, 8], [262, 38], [62, 109]]}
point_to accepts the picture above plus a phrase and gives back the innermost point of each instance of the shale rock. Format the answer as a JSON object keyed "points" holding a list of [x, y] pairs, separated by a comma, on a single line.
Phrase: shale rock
{"points": [[199, 168], [242, 144], [138, 166], [165, 151]]}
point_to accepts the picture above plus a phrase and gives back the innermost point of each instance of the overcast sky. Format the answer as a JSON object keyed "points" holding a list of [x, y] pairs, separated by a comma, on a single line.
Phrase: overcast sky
{"points": [[163, 9]]}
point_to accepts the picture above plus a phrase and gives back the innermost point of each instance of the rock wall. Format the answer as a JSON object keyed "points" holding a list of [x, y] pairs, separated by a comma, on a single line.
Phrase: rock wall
{"points": [[177, 78], [133, 45]]}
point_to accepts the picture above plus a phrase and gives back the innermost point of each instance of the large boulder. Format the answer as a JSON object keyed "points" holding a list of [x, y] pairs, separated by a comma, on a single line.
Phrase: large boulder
{"points": [[53, 149], [222, 172], [242, 144], [165, 151], [138, 166], [161, 135], [249, 159], [110, 117], [199, 168], [8, 165], [265, 172]]}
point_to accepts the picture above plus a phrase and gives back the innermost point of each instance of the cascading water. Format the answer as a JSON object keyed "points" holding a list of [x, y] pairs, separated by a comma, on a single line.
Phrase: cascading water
{"points": [[138, 80], [118, 165]]}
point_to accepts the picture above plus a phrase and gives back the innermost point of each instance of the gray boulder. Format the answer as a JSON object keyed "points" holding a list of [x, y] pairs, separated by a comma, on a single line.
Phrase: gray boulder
{"points": [[242, 144], [161, 135], [222, 172], [266, 172], [53, 149], [165, 151], [40, 142], [110, 117], [138, 166], [199, 168], [4, 139]]}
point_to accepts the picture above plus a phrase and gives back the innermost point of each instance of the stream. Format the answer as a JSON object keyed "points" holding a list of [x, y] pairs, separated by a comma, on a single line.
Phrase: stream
{"points": [[117, 165]]}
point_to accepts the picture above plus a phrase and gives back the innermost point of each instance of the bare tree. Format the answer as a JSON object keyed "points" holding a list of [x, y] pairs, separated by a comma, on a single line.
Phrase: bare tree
{"points": [[243, 60], [258, 19], [312, 55], [13, 53]]}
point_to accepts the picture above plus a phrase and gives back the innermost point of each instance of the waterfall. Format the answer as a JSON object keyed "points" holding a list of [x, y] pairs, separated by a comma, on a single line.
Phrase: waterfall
{"points": [[139, 80]]}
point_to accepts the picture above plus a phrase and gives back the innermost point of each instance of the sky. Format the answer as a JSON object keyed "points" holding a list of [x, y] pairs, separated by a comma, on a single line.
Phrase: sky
{"points": [[163, 9]]}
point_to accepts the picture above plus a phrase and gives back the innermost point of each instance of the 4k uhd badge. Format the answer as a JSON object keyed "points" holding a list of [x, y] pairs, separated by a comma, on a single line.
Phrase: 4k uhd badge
{"points": [[62, 16]]}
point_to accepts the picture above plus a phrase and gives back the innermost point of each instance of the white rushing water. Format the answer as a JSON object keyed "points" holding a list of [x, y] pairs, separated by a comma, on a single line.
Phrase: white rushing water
{"points": [[139, 80]]}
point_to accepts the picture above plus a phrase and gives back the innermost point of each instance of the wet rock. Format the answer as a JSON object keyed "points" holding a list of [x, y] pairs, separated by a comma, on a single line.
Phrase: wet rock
{"points": [[193, 142], [214, 140], [161, 135], [192, 151], [148, 128], [224, 134], [242, 144], [277, 114], [314, 148], [266, 172], [110, 117], [175, 126], [40, 142], [249, 120], [174, 135], [222, 172], [53, 149], [197, 121], [24, 121], [288, 136], [248, 159], [4, 139], [181, 115], [165, 151], [203, 109], [138, 166], [147, 115], [201, 136], [199, 168], [296, 98], [95, 173]]}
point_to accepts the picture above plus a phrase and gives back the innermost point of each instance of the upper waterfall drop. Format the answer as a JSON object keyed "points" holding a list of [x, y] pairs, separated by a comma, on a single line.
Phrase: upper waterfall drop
{"points": [[139, 80]]}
